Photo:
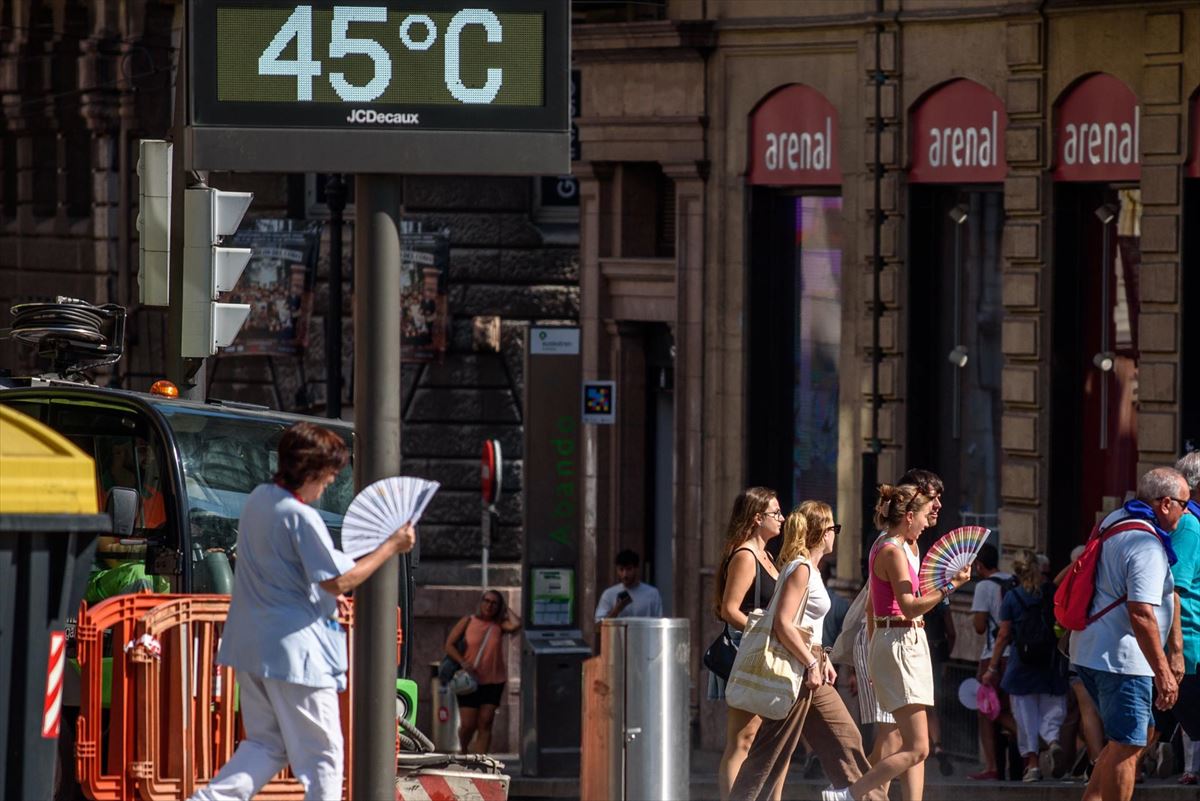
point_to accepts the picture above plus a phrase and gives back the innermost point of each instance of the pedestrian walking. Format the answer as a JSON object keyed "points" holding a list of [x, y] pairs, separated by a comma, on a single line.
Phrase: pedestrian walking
{"points": [[990, 590], [1034, 676], [745, 582], [1119, 655], [281, 634], [819, 715], [1183, 650], [898, 654], [886, 735], [1082, 714]]}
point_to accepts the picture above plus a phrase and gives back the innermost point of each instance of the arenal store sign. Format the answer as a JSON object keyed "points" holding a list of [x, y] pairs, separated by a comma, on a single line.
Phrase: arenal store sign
{"points": [[1097, 132], [958, 136], [793, 139]]}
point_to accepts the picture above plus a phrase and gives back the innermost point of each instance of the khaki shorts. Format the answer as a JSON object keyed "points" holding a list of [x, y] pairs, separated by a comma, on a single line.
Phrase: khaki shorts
{"points": [[900, 667]]}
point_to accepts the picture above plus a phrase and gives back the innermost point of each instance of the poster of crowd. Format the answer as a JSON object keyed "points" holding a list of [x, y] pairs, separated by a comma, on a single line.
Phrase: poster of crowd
{"points": [[425, 317], [278, 285]]}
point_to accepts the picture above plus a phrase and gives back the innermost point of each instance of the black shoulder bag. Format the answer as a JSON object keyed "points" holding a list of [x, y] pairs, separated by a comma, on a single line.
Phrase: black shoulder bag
{"points": [[720, 655]]}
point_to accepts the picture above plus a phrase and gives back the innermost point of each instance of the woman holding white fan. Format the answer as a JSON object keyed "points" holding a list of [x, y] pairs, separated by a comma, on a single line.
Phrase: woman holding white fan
{"points": [[282, 635]]}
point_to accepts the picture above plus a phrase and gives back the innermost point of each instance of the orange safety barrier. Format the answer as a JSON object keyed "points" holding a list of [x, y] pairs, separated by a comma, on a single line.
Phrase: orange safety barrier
{"points": [[173, 719], [106, 778]]}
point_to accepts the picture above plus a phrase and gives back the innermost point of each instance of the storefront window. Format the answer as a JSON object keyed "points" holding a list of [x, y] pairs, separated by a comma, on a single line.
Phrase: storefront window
{"points": [[955, 359], [818, 338]]}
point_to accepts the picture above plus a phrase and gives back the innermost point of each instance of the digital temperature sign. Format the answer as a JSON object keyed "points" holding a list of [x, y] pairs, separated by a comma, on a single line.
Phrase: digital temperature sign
{"points": [[416, 86]]}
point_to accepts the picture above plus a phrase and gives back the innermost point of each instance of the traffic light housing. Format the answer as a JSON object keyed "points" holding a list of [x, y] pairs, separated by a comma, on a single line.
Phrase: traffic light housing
{"points": [[154, 222], [209, 269]]}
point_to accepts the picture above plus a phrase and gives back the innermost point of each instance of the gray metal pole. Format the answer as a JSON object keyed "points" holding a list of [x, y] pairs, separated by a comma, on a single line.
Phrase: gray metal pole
{"points": [[182, 372], [377, 455]]}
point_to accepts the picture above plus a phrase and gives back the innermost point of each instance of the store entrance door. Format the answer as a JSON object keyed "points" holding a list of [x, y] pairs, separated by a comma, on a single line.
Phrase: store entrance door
{"points": [[1094, 354], [1189, 397], [954, 357], [794, 314]]}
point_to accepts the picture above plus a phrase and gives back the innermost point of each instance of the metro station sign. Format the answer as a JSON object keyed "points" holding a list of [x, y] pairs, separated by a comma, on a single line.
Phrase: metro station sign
{"points": [[414, 86]]}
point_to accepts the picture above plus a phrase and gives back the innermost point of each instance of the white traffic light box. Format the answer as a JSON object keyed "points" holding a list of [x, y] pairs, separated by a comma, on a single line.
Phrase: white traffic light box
{"points": [[209, 269], [154, 221]]}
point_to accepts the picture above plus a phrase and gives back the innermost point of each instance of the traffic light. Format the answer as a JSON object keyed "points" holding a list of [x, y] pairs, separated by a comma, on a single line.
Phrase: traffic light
{"points": [[208, 270], [154, 221]]}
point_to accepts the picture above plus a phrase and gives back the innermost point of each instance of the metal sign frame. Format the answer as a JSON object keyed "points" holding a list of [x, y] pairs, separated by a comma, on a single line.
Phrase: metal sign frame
{"points": [[308, 137]]}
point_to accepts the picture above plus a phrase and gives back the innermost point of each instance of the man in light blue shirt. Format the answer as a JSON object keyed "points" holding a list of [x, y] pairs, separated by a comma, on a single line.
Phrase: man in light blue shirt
{"points": [[282, 635], [1120, 655]]}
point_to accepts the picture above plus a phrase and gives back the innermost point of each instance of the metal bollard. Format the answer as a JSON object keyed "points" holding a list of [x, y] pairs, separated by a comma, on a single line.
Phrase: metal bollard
{"points": [[444, 721], [636, 737]]}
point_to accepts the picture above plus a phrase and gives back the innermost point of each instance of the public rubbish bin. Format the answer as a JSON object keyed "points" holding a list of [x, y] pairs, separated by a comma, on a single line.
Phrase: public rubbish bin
{"points": [[444, 708], [48, 529], [551, 674], [636, 744]]}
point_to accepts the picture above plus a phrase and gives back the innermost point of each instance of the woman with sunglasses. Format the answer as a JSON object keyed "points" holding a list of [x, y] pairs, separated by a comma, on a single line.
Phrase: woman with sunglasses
{"points": [[899, 663], [819, 714], [483, 657], [744, 583]]}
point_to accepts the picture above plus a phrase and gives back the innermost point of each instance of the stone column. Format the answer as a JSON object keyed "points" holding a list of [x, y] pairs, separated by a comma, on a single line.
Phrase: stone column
{"points": [[688, 332], [1025, 330], [1164, 117], [595, 227]]}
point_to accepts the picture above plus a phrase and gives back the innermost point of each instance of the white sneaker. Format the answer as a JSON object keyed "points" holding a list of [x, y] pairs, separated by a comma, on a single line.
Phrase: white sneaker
{"points": [[1032, 774], [830, 794]]}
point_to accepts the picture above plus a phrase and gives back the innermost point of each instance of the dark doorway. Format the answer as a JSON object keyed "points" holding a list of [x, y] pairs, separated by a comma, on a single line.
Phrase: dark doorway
{"points": [[953, 356], [1189, 396], [794, 324], [1093, 364]]}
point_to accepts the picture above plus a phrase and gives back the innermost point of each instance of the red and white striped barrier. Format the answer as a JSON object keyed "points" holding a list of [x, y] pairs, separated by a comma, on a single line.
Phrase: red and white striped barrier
{"points": [[452, 786], [52, 705]]}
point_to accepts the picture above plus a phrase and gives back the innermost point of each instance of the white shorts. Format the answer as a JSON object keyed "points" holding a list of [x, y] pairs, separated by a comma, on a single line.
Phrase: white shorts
{"points": [[900, 667]]}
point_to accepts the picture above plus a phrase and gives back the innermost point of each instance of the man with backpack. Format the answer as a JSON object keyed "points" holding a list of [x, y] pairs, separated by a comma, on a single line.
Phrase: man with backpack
{"points": [[990, 590], [1118, 645]]}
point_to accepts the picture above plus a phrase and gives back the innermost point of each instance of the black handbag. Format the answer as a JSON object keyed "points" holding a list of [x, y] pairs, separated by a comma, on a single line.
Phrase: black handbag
{"points": [[720, 655]]}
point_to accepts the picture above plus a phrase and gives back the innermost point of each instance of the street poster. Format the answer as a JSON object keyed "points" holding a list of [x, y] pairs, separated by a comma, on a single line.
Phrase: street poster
{"points": [[425, 316], [277, 284]]}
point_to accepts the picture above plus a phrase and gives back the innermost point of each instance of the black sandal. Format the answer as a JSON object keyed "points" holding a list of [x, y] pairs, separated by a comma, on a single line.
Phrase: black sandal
{"points": [[945, 765]]}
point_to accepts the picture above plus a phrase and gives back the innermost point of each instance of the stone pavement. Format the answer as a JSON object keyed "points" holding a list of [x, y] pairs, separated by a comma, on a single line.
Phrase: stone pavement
{"points": [[937, 788]]}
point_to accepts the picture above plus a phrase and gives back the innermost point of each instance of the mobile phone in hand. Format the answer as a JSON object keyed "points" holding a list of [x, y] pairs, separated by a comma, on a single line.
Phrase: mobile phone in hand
{"points": [[624, 597]]}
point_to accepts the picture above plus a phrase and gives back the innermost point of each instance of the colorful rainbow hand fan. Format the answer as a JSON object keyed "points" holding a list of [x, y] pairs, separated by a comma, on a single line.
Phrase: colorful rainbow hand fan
{"points": [[949, 555]]}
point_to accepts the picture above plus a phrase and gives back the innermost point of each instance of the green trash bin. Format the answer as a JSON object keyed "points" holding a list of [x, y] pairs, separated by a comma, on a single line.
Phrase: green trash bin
{"points": [[48, 529]]}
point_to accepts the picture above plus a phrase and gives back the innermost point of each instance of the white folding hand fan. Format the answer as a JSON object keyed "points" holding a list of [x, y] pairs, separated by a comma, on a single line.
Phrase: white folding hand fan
{"points": [[382, 508]]}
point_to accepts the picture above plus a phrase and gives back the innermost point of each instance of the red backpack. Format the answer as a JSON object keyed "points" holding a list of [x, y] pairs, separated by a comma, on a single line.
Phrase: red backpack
{"points": [[1073, 598]]}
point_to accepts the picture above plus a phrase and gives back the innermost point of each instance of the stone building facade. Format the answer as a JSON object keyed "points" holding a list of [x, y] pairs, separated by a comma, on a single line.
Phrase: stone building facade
{"points": [[81, 82], [907, 233]]}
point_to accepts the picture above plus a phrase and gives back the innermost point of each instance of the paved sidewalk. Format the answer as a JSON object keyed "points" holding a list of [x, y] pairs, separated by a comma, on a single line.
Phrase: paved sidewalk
{"points": [[937, 788]]}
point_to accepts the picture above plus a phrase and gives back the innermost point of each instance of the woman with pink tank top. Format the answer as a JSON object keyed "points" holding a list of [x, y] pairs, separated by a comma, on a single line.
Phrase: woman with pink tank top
{"points": [[901, 672]]}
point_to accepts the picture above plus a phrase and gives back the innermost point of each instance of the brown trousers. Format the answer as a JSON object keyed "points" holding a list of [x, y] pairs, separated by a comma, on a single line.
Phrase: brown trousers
{"points": [[821, 717]]}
